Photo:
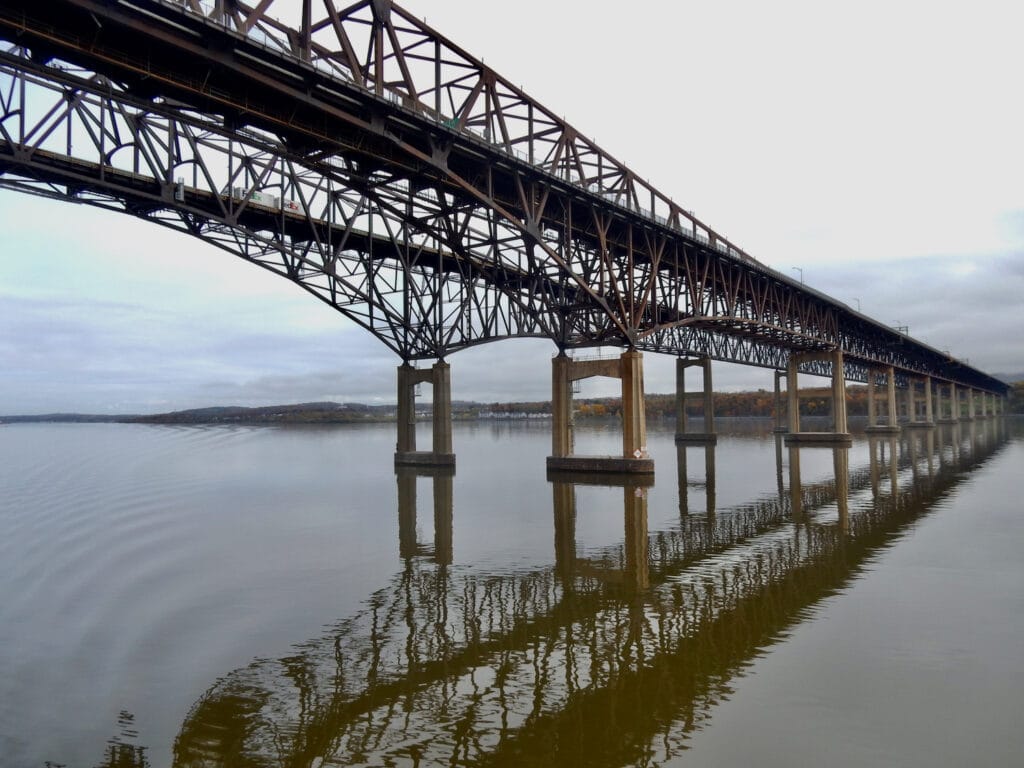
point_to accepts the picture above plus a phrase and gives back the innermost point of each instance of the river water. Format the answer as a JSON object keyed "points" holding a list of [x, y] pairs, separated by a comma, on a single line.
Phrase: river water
{"points": [[223, 596]]}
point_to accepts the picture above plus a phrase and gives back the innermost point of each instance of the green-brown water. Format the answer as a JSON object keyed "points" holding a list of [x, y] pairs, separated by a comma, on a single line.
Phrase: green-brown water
{"points": [[280, 597]]}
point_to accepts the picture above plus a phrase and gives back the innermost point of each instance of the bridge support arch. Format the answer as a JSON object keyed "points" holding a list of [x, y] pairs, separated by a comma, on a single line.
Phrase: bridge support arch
{"points": [[708, 435], [840, 433], [628, 368], [439, 376]]}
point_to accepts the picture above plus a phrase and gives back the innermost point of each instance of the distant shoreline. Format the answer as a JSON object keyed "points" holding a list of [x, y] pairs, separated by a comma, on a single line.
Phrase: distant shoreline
{"points": [[658, 406]]}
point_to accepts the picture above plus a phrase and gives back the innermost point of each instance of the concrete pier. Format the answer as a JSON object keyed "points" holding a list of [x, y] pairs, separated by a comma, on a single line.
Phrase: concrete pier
{"points": [[628, 368], [682, 435], [780, 421], [944, 406], [891, 425], [440, 378], [914, 419], [840, 434], [954, 404]]}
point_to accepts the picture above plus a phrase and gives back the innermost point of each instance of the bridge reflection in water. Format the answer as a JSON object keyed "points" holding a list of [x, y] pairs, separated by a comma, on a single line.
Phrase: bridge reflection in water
{"points": [[611, 657]]}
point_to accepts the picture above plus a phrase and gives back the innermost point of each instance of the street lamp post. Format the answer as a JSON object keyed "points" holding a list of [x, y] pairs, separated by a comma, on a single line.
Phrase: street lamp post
{"points": [[801, 271]]}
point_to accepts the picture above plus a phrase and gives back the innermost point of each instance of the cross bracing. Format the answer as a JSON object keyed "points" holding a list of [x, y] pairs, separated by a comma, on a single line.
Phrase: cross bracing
{"points": [[361, 154]]}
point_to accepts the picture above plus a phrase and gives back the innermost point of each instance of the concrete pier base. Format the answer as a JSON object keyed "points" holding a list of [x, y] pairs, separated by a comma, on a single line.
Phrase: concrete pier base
{"points": [[883, 429], [578, 471], [819, 438], [424, 459], [613, 465], [696, 438]]}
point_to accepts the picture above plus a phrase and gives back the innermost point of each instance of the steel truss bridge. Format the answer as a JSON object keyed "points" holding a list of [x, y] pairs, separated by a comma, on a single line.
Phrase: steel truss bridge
{"points": [[359, 153]]}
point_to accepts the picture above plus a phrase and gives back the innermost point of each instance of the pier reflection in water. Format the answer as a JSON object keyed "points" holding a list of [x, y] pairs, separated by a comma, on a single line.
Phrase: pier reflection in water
{"points": [[612, 657], [441, 479]]}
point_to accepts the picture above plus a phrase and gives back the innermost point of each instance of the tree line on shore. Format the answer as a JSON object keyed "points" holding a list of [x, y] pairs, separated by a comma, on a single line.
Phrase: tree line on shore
{"points": [[816, 401]]}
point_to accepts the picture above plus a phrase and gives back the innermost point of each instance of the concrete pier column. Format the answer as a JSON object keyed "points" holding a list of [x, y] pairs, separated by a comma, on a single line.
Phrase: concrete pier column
{"points": [[939, 403], [441, 374], [440, 454], [890, 426], [628, 368], [708, 435], [928, 419], [890, 378], [872, 416], [793, 394], [954, 403], [406, 412], [840, 432], [634, 421], [970, 404], [838, 394], [910, 401], [561, 406], [780, 423], [709, 399], [680, 396]]}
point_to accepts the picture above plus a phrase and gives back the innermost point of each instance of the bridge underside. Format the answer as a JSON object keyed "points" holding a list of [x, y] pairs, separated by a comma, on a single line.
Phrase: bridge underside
{"points": [[408, 187], [437, 208]]}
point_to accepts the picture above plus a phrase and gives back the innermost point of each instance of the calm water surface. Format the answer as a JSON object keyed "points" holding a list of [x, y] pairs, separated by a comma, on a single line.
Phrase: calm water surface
{"points": [[281, 597]]}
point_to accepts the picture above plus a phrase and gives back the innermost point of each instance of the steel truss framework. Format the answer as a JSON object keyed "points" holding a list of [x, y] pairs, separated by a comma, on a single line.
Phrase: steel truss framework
{"points": [[360, 154]]}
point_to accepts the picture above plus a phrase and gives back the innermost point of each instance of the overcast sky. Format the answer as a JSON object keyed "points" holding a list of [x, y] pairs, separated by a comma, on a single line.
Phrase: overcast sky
{"points": [[879, 147]]}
